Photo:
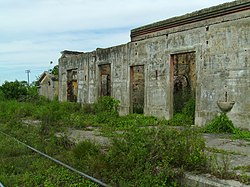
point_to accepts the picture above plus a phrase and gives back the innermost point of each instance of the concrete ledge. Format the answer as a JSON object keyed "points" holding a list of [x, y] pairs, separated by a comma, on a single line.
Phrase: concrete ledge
{"points": [[207, 13], [207, 180]]}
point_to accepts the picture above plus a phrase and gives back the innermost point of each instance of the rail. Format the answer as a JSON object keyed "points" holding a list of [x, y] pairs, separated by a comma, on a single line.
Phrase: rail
{"points": [[58, 162]]}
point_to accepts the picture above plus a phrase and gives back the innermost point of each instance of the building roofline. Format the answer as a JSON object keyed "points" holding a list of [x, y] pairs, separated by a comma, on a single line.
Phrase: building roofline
{"points": [[200, 15], [67, 52]]}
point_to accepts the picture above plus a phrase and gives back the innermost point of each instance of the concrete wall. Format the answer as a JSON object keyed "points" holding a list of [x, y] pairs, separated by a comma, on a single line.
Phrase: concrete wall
{"points": [[222, 52]]}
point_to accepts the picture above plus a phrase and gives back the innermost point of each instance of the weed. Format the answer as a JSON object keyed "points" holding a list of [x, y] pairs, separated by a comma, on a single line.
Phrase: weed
{"points": [[215, 166], [245, 168], [241, 134], [245, 179]]}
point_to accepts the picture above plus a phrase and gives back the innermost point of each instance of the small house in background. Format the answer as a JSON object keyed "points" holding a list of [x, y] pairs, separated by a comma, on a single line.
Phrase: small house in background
{"points": [[48, 85]]}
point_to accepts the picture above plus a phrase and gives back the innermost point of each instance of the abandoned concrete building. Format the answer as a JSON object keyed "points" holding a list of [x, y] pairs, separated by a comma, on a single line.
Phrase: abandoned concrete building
{"points": [[48, 85], [204, 55]]}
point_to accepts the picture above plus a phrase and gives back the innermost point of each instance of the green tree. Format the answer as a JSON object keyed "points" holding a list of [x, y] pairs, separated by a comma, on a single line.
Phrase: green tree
{"points": [[55, 70], [14, 90]]}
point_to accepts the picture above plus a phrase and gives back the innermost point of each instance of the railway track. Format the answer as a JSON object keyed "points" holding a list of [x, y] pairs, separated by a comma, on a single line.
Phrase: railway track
{"points": [[86, 176]]}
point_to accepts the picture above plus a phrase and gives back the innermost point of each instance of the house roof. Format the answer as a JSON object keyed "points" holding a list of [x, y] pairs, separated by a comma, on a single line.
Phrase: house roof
{"points": [[49, 75]]}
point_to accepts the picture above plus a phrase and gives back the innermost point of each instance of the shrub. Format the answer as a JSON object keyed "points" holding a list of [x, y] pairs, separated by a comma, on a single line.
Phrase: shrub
{"points": [[186, 116], [106, 104], [88, 108], [149, 157], [106, 109], [89, 158], [220, 124], [85, 150]]}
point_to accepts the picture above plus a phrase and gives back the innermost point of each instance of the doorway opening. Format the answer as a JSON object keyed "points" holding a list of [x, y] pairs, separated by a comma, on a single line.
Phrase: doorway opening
{"points": [[72, 85], [137, 82], [183, 80], [105, 80]]}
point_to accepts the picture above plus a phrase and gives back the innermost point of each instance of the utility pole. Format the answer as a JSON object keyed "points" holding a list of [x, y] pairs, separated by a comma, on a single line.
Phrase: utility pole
{"points": [[28, 75]]}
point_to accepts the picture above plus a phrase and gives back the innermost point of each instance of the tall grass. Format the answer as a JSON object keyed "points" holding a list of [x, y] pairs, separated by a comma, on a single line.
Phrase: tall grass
{"points": [[22, 167]]}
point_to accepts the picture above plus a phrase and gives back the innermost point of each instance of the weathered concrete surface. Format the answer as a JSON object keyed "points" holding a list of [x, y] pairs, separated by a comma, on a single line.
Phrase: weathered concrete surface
{"points": [[224, 142], [228, 154], [233, 153], [221, 47], [207, 180], [32, 122], [94, 136]]}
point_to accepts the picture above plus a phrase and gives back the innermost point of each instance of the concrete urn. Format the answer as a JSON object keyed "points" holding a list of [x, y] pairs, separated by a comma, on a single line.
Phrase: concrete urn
{"points": [[225, 106]]}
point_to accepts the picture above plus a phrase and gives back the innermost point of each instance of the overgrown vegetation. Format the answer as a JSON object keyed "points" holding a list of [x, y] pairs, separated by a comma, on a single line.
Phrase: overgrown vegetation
{"points": [[22, 167], [138, 156], [222, 124], [18, 91], [186, 116], [154, 157]]}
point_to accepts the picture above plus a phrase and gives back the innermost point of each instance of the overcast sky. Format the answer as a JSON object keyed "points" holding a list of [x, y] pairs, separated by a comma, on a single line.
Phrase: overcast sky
{"points": [[34, 32]]}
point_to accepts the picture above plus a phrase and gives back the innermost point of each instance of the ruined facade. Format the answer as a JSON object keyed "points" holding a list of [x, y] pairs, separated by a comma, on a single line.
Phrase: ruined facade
{"points": [[204, 55]]}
